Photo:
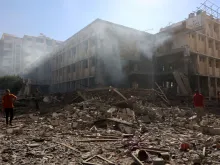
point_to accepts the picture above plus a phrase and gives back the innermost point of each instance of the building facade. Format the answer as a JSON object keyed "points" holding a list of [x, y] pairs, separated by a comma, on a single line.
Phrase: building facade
{"points": [[18, 53], [101, 54], [190, 57]]}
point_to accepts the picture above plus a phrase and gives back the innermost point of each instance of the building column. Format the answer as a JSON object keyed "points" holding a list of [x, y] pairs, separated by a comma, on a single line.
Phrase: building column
{"points": [[186, 55], [216, 91], [197, 64], [206, 45], [207, 65], [198, 83], [214, 48], [197, 41], [213, 67], [209, 88]]}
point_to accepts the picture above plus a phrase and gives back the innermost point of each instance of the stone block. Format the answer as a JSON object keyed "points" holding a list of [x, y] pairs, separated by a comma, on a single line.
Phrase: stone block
{"points": [[158, 161]]}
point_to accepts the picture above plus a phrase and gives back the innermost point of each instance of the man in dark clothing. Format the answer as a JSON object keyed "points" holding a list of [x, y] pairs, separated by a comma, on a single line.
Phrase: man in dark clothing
{"points": [[198, 101], [8, 104], [37, 99]]}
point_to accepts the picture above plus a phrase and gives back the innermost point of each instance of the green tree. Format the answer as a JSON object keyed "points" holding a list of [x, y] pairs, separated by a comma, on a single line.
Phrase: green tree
{"points": [[14, 83]]}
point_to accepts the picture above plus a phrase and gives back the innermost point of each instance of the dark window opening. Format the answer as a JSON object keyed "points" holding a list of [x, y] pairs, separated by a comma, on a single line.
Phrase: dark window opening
{"points": [[210, 63], [85, 45], [218, 82], [73, 85], [85, 63], [217, 64], [212, 82], [93, 41], [40, 40], [8, 45], [68, 69], [73, 68], [92, 82], [29, 39], [73, 51], [84, 83], [171, 67], [49, 42], [92, 60], [210, 44], [69, 54]]}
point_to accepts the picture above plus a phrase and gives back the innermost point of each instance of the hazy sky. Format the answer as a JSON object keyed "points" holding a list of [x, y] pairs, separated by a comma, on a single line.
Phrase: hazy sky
{"points": [[60, 19]]}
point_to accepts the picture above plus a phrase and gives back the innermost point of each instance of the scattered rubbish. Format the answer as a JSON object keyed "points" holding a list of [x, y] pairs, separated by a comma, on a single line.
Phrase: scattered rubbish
{"points": [[88, 124]]}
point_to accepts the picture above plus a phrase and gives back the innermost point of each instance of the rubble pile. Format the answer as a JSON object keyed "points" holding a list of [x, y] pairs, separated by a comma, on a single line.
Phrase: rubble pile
{"points": [[100, 131]]}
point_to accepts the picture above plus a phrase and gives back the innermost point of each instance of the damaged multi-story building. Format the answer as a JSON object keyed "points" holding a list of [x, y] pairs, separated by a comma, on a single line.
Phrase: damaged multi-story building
{"points": [[182, 57], [190, 57], [101, 54], [17, 53]]}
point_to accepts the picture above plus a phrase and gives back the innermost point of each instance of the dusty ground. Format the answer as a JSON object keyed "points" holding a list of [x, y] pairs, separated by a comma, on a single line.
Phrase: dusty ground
{"points": [[56, 138]]}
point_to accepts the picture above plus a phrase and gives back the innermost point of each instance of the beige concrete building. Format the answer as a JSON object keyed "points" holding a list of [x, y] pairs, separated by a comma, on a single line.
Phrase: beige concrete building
{"points": [[11, 54], [190, 57], [18, 53], [101, 54]]}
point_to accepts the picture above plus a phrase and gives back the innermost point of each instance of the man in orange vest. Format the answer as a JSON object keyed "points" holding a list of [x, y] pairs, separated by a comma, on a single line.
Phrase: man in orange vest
{"points": [[8, 104]]}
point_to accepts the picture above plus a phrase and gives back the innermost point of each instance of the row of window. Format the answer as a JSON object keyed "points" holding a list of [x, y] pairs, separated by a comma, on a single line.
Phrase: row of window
{"points": [[72, 52], [81, 64], [41, 40], [73, 85], [217, 63]]}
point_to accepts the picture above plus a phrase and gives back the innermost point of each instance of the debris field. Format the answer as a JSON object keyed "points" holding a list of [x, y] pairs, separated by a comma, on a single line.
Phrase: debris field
{"points": [[110, 126]]}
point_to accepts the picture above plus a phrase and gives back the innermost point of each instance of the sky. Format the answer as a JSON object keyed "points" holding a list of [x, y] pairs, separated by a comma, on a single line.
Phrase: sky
{"points": [[60, 19]]}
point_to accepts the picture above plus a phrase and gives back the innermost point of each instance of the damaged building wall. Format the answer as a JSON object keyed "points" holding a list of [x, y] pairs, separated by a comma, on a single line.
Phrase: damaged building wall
{"points": [[199, 49], [101, 54]]}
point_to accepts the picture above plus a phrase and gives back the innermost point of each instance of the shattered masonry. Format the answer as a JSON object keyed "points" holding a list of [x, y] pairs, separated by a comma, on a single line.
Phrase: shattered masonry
{"points": [[96, 128]]}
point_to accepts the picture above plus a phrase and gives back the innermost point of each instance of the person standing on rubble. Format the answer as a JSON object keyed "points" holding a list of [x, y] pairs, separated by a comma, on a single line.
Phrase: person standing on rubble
{"points": [[198, 101], [37, 98], [8, 105]]}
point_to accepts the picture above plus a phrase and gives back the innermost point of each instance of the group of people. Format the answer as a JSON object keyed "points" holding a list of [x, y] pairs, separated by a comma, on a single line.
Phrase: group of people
{"points": [[8, 105]]}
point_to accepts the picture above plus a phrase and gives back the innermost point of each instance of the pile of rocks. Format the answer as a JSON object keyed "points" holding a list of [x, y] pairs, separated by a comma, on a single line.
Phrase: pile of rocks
{"points": [[95, 131]]}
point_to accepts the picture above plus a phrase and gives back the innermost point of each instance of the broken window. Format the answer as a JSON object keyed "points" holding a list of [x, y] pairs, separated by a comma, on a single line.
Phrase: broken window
{"points": [[85, 45], [8, 45], [171, 85], [171, 67], [217, 64], [201, 59], [218, 82], [92, 61], [202, 38], [212, 82], [93, 41], [216, 28], [73, 51], [73, 85], [210, 63], [68, 69], [73, 68], [40, 40], [29, 39], [92, 82], [68, 85], [85, 63], [49, 42], [210, 43], [84, 82]]}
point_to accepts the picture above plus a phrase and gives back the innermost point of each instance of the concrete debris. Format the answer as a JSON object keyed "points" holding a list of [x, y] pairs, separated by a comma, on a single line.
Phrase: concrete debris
{"points": [[91, 129]]}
